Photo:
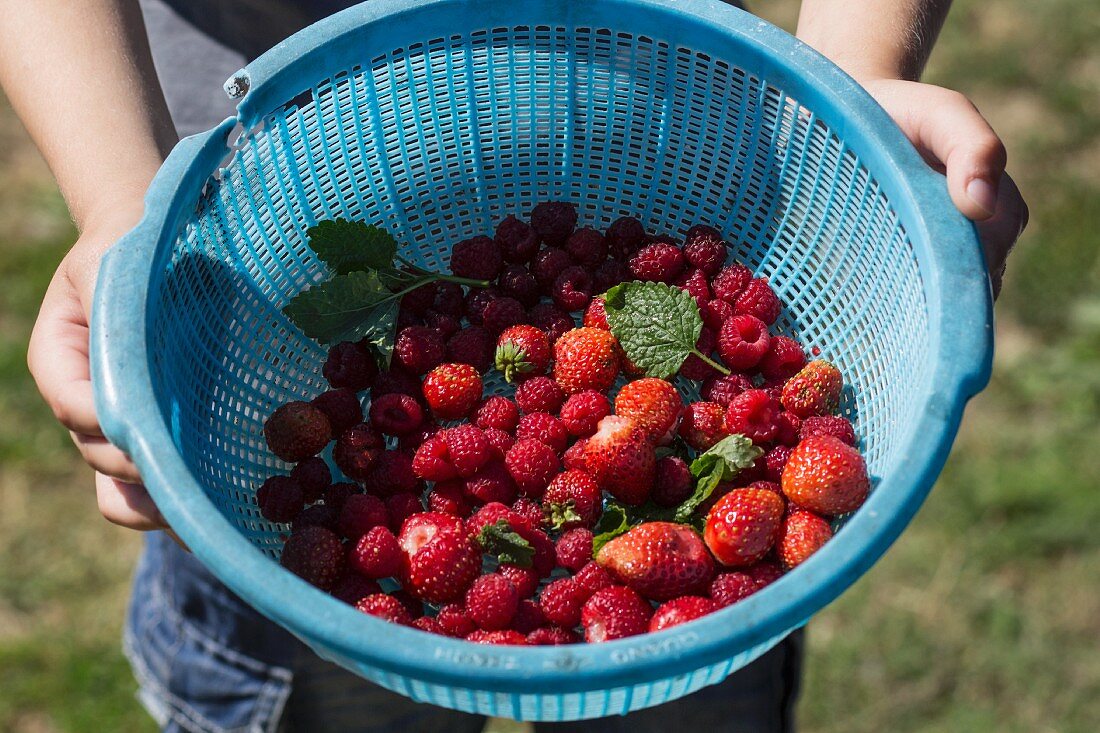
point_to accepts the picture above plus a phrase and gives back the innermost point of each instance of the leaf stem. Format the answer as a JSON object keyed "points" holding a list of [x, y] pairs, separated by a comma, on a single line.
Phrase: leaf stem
{"points": [[711, 362], [440, 276]]}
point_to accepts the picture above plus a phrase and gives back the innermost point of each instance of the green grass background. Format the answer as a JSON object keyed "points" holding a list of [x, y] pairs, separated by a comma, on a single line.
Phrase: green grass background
{"points": [[985, 616]]}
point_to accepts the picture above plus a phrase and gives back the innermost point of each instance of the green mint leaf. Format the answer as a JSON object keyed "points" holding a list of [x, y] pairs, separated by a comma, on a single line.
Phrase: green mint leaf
{"points": [[613, 522], [562, 514], [380, 334], [722, 462], [503, 543], [340, 309], [352, 246], [656, 324]]}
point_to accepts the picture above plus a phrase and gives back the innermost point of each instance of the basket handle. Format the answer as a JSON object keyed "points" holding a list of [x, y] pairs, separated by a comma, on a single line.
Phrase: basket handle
{"points": [[119, 368]]}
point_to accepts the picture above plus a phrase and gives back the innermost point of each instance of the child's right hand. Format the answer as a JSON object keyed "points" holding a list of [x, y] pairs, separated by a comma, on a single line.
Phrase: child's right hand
{"points": [[58, 361]]}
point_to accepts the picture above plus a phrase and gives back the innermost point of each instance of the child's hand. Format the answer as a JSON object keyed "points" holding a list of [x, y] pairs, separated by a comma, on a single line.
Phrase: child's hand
{"points": [[58, 360], [954, 138]]}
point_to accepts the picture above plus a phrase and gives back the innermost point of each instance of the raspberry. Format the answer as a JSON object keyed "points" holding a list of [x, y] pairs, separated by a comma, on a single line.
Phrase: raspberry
{"points": [[412, 604], [491, 483], [615, 613], [449, 497], [478, 258], [353, 587], [517, 282], [392, 473], [341, 407], [587, 248], [572, 289], [715, 313], [595, 316], [674, 482], [554, 221], [624, 237], [429, 624], [280, 499], [552, 636], [467, 449], [296, 431], [315, 555], [409, 443], [543, 427], [838, 427], [730, 281], [419, 349], [312, 475], [501, 313], [775, 460], [532, 465], [575, 457], [695, 368], [491, 602], [516, 239], [657, 262], [397, 380], [500, 441], [582, 412], [336, 494], [722, 389], [455, 620], [729, 588], [789, 427], [396, 414], [452, 390], [528, 617], [404, 320], [385, 607], [507, 637], [758, 299], [694, 282], [497, 412], [449, 297], [400, 507], [754, 414], [679, 611], [593, 577], [432, 460], [586, 358], [608, 275], [548, 264], [562, 600], [574, 548], [551, 319], [356, 450], [704, 248], [522, 351], [703, 424], [318, 515], [360, 514], [349, 366], [783, 360], [525, 580], [377, 554], [743, 342], [418, 301], [529, 510], [539, 394], [764, 573], [472, 345], [476, 301]]}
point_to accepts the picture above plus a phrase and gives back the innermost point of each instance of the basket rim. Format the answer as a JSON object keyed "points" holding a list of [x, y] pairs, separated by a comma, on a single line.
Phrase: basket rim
{"points": [[950, 261]]}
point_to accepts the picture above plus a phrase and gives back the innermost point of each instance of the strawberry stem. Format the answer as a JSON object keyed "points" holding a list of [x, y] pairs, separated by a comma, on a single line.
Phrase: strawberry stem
{"points": [[711, 362]]}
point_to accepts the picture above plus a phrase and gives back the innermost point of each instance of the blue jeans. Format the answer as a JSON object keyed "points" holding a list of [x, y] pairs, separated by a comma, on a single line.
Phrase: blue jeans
{"points": [[206, 661]]}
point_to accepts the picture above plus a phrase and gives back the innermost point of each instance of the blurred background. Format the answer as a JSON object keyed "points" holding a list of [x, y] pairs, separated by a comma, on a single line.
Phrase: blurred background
{"points": [[985, 616]]}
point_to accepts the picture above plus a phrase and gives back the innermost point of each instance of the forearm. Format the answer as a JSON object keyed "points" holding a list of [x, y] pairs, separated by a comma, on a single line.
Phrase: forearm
{"points": [[872, 39], [81, 78]]}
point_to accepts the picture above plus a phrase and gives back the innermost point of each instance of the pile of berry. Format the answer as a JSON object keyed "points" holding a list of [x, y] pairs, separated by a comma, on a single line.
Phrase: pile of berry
{"points": [[593, 504]]}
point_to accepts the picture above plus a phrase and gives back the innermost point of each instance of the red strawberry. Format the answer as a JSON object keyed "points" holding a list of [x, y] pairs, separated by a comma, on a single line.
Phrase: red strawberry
{"points": [[653, 404], [674, 482], [679, 611], [522, 350], [497, 412], [539, 394], [703, 425], [742, 527], [492, 602], [814, 391], [660, 560], [561, 602], [615, 613], [764, 573], [552, 635], [385, 607], [573, 499], [586, 358], [315, 555], [729, 588], [452, 390], [826, 476], [595, 316], [377, 554], [593, 577], [455, 620], [532, 465], [574, 548], [583, 411], [298, 430], [467, 448], [622, 460], [353, 587], [803, 534], [442, 559], [545, 428], [513, 638]]}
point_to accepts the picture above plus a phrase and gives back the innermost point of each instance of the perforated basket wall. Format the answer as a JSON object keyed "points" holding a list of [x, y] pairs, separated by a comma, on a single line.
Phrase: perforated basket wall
{"points": [[436, 120]]}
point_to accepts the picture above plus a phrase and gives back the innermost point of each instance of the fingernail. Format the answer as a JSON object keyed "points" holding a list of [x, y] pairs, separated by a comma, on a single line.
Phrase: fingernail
{"points": [[982, 193]]}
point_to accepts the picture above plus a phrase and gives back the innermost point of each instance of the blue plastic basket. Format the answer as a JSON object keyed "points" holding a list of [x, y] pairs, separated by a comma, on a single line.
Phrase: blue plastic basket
{"points": [[437, 118]]}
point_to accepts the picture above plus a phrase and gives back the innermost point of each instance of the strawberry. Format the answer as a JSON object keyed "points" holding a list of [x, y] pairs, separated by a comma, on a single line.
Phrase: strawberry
{"points": [[552, 636], [385, 607], [522, 351], [814, 391], [377, 554], [532, 465], [510, 637], [452, 390], [595, 315], [622, 460], [497, 412], [545, 428], [826, 476], [561, 602], [315, 555], [492, 602], [455, 620], [298, 430], [653, 404], [593, 577], [674, 483], [442, 559], [660, 560], [679, 611], [574, 548], [615, 613], [803, 533], [528, 617], [539, 394], [583, 411], [703, 424], [729, 588], [573, 499], [586, 358], [742, 527], [430, 625]]}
